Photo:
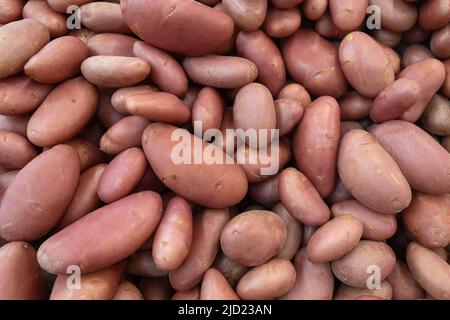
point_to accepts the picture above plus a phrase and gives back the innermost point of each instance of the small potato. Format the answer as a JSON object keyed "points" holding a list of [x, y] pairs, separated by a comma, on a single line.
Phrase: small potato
{"points": [[365, 64], [247, 14], [207, 110], [314, 281], [11, 10], [297, 92], [404, 287], [20, 275], [232, 271], [15, 150], [415, 53], [348, 14], [430, 271], [173, 238], [266, 192], [316, 142], [394, 58], [57, 61], [125, 134], [335, 239], [416, 35], [103, 17], [319, 76], [377, 226], [142, 264], [436, 118], [253, 237], [6, 178], [347, 126], [344, 292], [340, 193], [42, 12], [208, 225], [106, 113], [156, 288], [16, 124], [423, 161], [355, 268], [63, 5], [434, 14], [225, 72], [111, 44], [314, 9], [301, 199], [396, 15], [285, 4], [120, 96], [281, 23], [99, 285], [114, 72], [166, 72], [191, 294], [50, 124], [371, 175], [121, 175], [267, 281], [354, 106], [19, 41], [127, 291], [446, 86], [388, 38], [326, 28], [293, 235], [440, 42], [216, 287], [88, 152], [31, 194], [289, 113]]}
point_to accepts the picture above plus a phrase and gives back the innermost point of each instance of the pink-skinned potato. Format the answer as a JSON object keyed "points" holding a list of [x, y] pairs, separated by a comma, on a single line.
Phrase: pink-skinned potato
{"points": [[87, 243], [88, 152], [186, 295], [11, 10], [128, 291], [231, 270], [247, 14], [216, 287], [293, 234], [111, 44], [142, 264], [208, 109], [404, 287], [281, 23], [63, 5], [102, 17], [348, 14], [289, 113], [15, 150], [344, 292], [42, 12], [396, 15], [119, 97], [17, 124]]}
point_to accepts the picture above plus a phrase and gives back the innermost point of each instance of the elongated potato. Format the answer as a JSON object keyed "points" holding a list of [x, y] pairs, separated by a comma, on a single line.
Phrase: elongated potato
{"points": [[163, 23], [50, 125], [87, 242], [42, 12], [396, 15], [253, 237], [208, 109], [119, 98], [371, 175], [208, 225], [191, 294], [423, 161], [15, 150], [404, 287], [293, 235], [11, 11], [88, 152], [348, 14], [20, 275], [103, 17], [31, 194], [111, 44], [63, 5], [216, 287], [127, 291], [220, 185]]}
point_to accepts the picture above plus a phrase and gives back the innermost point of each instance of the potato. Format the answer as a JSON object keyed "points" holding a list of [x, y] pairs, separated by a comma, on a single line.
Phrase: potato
{"points": [[319, 76], [376, 226], [166, 72], [216, 287], [20, 40], [103, 17], [415, 53], [16, 124], [281, 23], [15, 150], [219, 186], [11, 11], [340, 193], [84, 34], [394, 58], [6, 178], [106, 114], [20, 276], [446, 86], [404, 287], [156, 288], [208, 225], [294, 91], [86, 242], [127, 291], [335, 239], [173, 237], [285, 4], [99, 285], [301, 199], [388, 38], [191, 294], [31, 194], [121, 175], [253, 237], [348, 14], [119, 98], [436, 118], [316, 141], [371, 175], [208, 109], [288, 113], [344, 292], [326, 28], [427, 219], [20, 95], [365, 64], [142, 264], [425, 163], [354, 269], [440, 42], [354, 106], [396, 15], [434, 14], [42, 12], [57, 61], [163, 24], [87, 151], [85, 199], [314, 9], [50, 125], [395, 99], [267, 281], [314, 281], [430, 271], [111, 44], [232, 271], [63, 5], [293, 235], [247, 14], [446, 143]]}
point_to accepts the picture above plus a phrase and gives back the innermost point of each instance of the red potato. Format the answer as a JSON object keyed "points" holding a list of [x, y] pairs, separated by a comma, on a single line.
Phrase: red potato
{"points": [[15, 150], [281, 23], [231, 270], [344, 292], [142, 264], [42, 12], [314, 9], [440, 42], [86, 243], [163, 24], [289, 113], [434, 14], [394, 58], [16, 124], [316, 141], [247, 14], [388, 38], [127, 291], [6, 178], [396, 15], [191, 294], [216, 287], [120, 96], [293, 235], [150, 182], [404, 287], [340, 193], [103, 17], [297, 92], [106, 114], [31, 194], [326, 28], [285, 4], [436, 118], [63, 5], [88, 152], [446, 86], [111, 44], [156, 288], [354, 106], [84, 34], [207, 110], [415, 53], [348, 14], [11, 10]]}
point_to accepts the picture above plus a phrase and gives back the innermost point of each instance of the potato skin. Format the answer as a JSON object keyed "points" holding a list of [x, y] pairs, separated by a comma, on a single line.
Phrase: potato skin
{"points": [[423, 161], [436, 118], [404, 287], [344, 292], [253, 237], [371, 175], [446, 86], [88, 152], [396, 15], [20, 41], [293, 235], [119, 97], [191, 294], [62, 5], [142, 264], [348, 14], [320, 77], [16, 124], [42, 12], [11, 11], [316, 141], [354, 106], [352, 269], [334, 239], [20, 276], [15, 150], [216, 287], [427, 219], [247, 14], [289, 113], [429, 270], [434, 14], [31, 194], [111, 44], [163, 24], [208, 109], [219, 185], [281, 23], [267, 281], [127, 291], [87, 243], [208, 225], [49, 125], [103, 17]]}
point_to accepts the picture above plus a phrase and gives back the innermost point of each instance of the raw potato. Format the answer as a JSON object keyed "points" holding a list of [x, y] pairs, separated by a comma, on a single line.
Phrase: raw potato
{"points": [[15, 150], [293, 236], [247, 14], [404, 287], [127, 291], [436, 118], [42, 12], [111, 44], [216, 287], [348, 14], [344, 292], [103, 17]]}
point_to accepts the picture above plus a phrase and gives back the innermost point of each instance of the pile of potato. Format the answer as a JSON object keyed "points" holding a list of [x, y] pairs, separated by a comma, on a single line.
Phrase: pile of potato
{"points": [[93, 204]]}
